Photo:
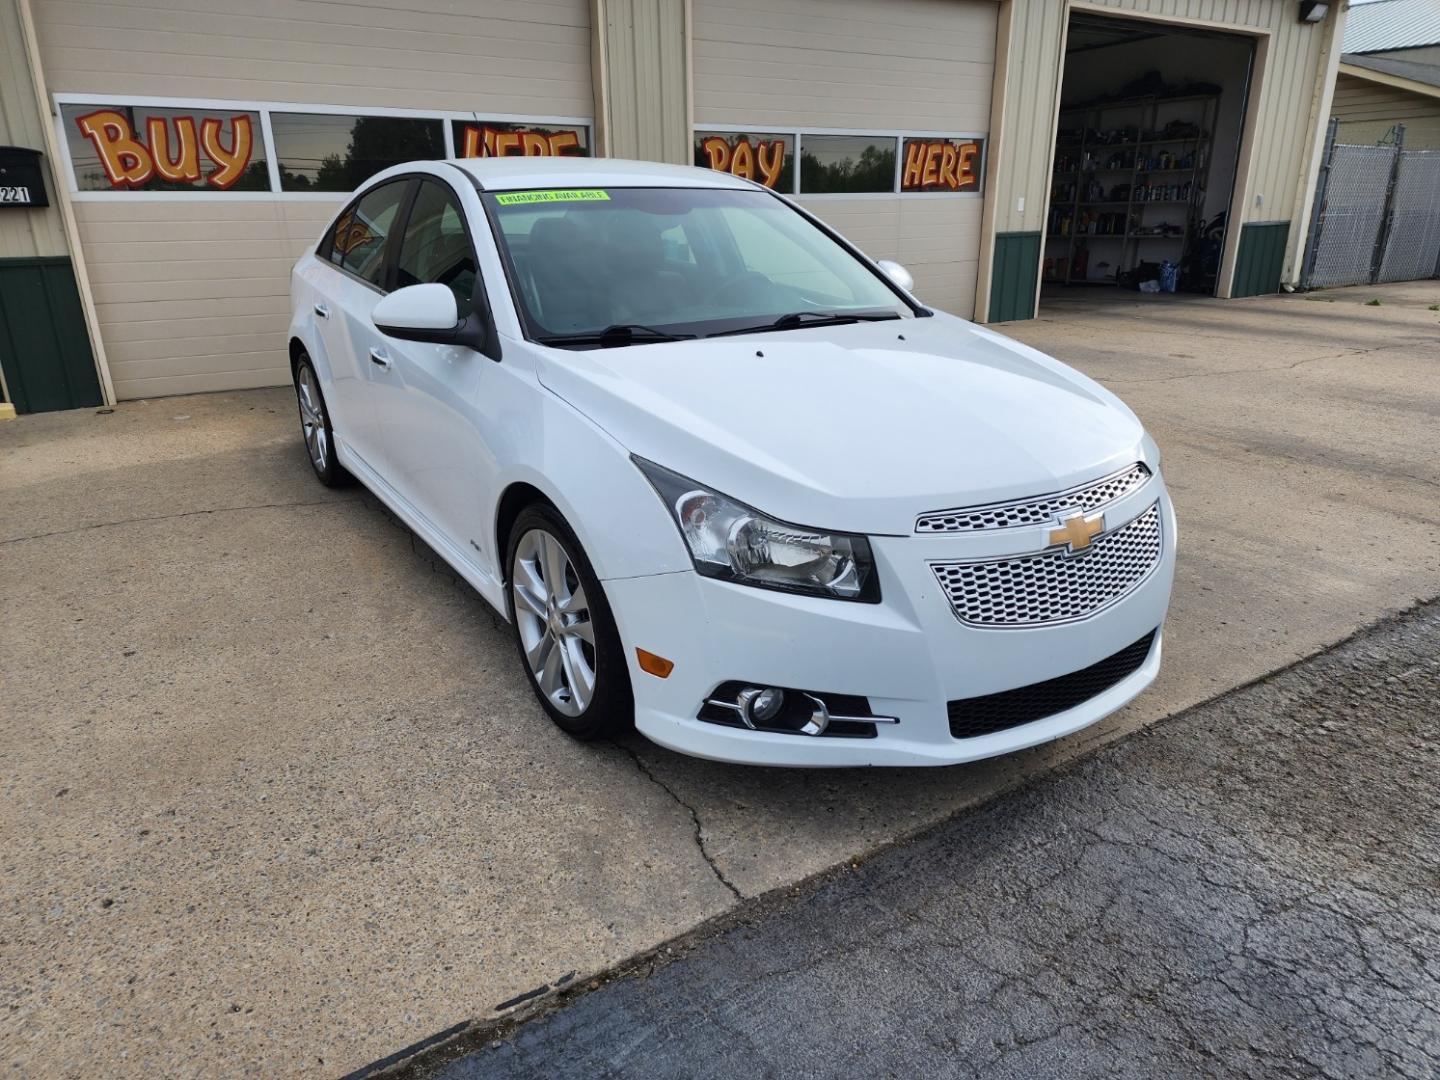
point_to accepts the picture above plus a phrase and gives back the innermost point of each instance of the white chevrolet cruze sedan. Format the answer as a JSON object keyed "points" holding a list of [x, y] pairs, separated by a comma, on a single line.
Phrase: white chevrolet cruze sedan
{"points": [[725, 477]]}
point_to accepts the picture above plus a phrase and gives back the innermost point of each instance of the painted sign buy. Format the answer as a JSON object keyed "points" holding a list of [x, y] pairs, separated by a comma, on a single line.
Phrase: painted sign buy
{"points": [[169, 149]]}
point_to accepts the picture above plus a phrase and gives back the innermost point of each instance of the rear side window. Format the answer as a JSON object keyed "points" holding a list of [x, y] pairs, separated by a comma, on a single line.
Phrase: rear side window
{"points": [[357, 242], [435, 247]]}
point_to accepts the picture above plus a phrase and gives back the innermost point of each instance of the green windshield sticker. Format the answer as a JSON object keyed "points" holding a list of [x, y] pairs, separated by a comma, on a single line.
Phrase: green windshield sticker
{"points": [[575, 195]]}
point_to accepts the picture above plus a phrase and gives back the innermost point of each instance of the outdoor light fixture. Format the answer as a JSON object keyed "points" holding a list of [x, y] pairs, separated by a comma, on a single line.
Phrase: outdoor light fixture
{"points": [[1313, 10]]}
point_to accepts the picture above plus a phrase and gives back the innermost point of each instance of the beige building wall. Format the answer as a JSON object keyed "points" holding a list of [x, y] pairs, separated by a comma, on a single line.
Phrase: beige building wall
{"points": [[901, 65], [1292, 70], [25, 233], [193, 294], [1368, 110]]}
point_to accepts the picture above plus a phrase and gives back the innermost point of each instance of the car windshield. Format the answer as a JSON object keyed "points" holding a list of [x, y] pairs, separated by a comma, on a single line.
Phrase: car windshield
{"points": [[622, 266]]}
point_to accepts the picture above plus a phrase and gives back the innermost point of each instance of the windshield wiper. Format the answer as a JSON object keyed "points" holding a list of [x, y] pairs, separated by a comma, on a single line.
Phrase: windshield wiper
{"points": [[796, 319], [616, 335]]}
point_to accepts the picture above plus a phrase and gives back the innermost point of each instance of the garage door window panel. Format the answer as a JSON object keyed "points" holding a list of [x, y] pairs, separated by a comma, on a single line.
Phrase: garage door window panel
{"points": [[436, 248], [325, 152], [494, 138], [767, 158], [847, 164], [122, 147]]}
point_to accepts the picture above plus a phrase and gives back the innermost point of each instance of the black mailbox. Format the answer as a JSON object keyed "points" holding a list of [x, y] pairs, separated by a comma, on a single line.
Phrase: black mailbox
{"points": [[21, 183]]}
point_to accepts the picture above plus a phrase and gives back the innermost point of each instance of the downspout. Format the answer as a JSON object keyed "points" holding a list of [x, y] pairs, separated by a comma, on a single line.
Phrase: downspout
{"points": [[599, 78]]}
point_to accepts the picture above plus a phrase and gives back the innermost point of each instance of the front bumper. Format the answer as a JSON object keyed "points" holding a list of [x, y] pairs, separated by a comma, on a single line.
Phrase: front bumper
{"points": [[908, 655]]}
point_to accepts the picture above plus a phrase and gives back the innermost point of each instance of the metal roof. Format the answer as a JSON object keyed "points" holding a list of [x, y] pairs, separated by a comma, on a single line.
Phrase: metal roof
{"points": [[1429, 74], [1381, 25]]}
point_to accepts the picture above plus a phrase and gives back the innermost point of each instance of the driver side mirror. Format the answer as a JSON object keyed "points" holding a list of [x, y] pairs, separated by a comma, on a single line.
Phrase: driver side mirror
{"points": [[429, 313], [417, 313], [897, 273]]}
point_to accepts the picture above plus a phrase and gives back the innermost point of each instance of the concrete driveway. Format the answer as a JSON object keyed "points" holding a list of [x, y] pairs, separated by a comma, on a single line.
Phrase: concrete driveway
{"points": [[276, 799]]}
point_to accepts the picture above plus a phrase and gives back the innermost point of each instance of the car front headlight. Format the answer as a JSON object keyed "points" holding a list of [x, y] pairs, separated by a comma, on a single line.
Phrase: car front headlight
{"points": [[730, 541]]}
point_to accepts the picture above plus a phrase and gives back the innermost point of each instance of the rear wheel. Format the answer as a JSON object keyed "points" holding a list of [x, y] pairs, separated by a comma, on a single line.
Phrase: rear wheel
{"points": [[315, 425], [564, 630]]}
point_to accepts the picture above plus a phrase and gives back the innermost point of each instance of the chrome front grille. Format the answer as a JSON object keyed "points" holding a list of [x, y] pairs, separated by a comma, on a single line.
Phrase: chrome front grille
{"points": [[1053, 586], [1040, 511]]}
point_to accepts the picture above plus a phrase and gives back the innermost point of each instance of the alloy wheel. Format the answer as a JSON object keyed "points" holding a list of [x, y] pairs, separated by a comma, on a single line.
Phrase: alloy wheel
{"points": [[312, 418], [553, 617]]}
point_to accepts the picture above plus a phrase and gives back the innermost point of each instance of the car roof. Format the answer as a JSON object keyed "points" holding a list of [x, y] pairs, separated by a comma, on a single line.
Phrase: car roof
{"points": [[522, 173]]}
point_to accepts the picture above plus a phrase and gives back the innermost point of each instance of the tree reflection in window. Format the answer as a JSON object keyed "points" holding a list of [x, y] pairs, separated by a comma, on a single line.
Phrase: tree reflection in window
{"points": [[319, 152], [832, 164]]}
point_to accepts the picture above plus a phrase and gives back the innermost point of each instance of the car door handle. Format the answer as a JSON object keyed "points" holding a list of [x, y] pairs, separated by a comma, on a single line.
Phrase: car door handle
{"points": [[322, 311], [379, 359]]}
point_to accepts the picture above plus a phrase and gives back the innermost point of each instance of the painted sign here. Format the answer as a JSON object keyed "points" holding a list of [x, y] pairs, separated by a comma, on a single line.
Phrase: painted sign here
{"points": [[519, 142], [169, 149], [941, 165]]}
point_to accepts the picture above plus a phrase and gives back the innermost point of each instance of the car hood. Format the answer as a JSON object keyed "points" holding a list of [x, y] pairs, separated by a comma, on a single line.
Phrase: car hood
{"points": [[856, 428]]}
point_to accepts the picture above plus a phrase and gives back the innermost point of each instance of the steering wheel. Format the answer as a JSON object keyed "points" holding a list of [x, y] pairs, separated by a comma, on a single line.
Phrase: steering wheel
{"points": [[734, 288]]}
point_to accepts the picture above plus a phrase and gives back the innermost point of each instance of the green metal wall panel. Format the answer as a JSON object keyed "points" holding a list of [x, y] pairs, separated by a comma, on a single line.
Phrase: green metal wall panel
{"points": [[1016, 270], [44, 348], [1261, 258]]}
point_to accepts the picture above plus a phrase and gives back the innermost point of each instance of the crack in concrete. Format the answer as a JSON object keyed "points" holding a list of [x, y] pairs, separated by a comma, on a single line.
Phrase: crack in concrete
{"points": [[172, 517], [694, 818], [1256, 370]]}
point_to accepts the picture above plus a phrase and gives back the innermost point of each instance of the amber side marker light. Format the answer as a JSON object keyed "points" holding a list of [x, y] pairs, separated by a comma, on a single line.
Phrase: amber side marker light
{"points": [[654, 665]]}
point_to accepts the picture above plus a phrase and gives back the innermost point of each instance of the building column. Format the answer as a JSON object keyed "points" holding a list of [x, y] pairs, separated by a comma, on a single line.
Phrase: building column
{"points": [[1029, 65], [1322, 98], [643, 83]]}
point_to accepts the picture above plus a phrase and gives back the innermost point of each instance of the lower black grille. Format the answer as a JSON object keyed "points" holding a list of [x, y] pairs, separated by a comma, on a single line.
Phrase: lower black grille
{"points": [[797, 711], [972, 717]]}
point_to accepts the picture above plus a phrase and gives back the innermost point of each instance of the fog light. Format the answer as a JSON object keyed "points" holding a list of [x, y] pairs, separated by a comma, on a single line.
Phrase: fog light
{"points": [[760, 706]]}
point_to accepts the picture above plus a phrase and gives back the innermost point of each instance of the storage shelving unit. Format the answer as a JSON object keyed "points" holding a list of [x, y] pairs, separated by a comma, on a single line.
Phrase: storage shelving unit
{"points": [[1138, 145]]}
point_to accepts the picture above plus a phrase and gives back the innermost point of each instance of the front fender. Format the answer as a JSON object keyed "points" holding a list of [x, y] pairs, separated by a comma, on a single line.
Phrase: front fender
{"points": [[588, 475]]}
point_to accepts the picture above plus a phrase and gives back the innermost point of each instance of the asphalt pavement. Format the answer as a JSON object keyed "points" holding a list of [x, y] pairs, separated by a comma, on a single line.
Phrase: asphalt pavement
{"points": [[1249, 890]]}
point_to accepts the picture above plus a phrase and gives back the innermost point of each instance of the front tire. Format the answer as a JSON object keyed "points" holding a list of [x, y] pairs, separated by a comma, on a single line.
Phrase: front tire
{"points": [[315, 425], [564, 630]]}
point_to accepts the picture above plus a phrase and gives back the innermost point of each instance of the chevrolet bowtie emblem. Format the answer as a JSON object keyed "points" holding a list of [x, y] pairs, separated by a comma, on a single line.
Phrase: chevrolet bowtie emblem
{"points": [[1077, 532]]}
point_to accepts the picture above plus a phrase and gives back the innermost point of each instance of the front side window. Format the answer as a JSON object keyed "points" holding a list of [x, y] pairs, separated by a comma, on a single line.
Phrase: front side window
{"points": [[683, 261], [357, 239], [435, 248], [324, 152]]}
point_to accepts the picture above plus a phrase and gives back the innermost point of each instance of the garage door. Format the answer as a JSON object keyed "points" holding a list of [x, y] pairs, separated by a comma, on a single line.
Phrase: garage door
{"points": [[873, 114], [209, 142]]}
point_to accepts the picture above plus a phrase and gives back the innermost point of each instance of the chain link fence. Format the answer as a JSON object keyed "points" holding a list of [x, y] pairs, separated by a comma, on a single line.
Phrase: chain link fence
{"points": [[1377, 215], [1414, 237]]}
